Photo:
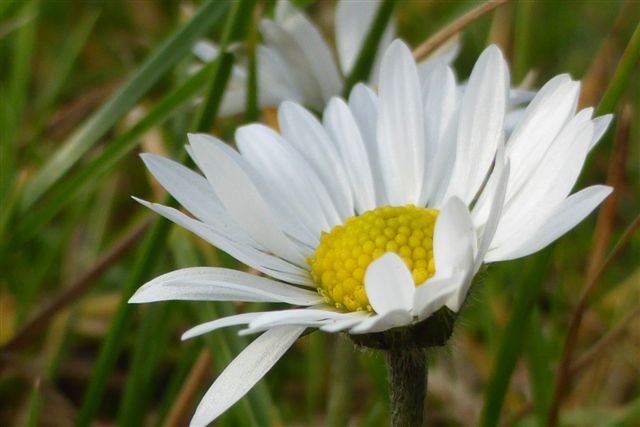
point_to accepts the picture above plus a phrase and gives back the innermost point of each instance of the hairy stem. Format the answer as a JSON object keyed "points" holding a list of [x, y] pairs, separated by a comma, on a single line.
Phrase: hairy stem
{"points": [[408, 385]]}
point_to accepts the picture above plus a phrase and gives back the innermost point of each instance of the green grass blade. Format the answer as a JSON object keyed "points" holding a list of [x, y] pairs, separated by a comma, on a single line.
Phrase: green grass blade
{"points": [[13, 95], [538, 357], [18, 85], [362, 67], [66, 190], [150, 347], [221, 72], [146, 258], [253, 108], [160, 61], [179, 374], [625, 68], [237, 26], [65, 61], [35, 407], [522, 39], [512, 340]]}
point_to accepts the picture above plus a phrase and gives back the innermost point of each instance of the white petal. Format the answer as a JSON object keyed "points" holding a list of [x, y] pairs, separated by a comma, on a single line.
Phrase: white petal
{"points": [[400, 125], [566, 216], [318, 54], [434, 293], [454, 238], [187, 187], [347, 321], [389, 284], [352, 25], [221, 284], [520, 96], [303, 131], [444, 55], [454, 248], [205, 50], [244, 372], [298, 64], [341, 125], [543, 119], [440, 104], [241, 198], [548, 184], [277, 81], [309, 317], [480, 125], [234, 101], [284, 11], [224, 322], [363, 103], [492, 200], [248, 254], [288, 173], [382, 322], [600, 125]]}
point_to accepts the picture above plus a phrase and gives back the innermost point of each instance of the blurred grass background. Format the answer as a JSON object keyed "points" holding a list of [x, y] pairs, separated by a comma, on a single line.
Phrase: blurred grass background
{"points": [[86, 85]]}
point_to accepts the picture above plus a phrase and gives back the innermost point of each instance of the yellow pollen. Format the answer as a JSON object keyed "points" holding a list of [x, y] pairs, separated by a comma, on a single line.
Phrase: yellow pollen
{"points": [[340, 261]]}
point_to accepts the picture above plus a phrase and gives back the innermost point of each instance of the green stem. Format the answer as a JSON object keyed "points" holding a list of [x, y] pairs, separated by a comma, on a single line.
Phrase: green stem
{"points": [[407, 385]]}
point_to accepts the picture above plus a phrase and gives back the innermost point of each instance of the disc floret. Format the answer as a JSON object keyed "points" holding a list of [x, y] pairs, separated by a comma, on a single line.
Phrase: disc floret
{"points": [[343, 255]]}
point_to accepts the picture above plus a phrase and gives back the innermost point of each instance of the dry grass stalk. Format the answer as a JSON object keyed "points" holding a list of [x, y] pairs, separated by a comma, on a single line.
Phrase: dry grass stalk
{"points": [[181, 409], [439, 38]]}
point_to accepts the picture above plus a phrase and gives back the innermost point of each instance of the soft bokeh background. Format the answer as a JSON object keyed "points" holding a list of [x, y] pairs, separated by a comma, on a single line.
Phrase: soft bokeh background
{"points": [[73, 245]]}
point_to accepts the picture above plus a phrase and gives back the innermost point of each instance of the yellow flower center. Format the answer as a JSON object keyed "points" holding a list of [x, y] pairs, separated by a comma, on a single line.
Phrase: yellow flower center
{"points": [[340, 261]]}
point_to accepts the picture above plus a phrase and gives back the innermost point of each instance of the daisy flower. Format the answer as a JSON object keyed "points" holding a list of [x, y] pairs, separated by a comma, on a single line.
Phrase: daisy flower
{"points": [[296, 63], [380, 215]]}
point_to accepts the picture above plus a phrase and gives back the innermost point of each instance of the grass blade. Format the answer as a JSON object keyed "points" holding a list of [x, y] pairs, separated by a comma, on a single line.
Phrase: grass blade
{"points": [[366, 57], [538, 357], [522, 39], [512, 340], [66, 59], [160, 61], [66, 190], [146, 258], [13, 96], [253, 108], [149, 349], [240, 16], [35, 407], [623, 72]]}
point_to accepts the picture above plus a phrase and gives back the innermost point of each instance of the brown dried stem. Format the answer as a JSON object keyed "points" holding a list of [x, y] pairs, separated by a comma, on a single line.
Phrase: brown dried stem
{"points": [[615, 178], [562, 377], [439, 38], [180, 411], [604, 344]]}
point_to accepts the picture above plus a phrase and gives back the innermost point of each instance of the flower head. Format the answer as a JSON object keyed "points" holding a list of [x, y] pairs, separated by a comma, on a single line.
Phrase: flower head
{"points": [[379, 215], [296, 62]]}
